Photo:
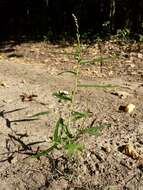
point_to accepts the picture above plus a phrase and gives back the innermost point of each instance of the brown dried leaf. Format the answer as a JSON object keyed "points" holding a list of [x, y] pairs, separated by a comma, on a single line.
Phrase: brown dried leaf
{"points": [[130, 151]]}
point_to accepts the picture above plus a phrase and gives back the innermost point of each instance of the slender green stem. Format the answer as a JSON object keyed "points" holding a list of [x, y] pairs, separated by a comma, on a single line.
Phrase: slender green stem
{"points": [[78, 59]]}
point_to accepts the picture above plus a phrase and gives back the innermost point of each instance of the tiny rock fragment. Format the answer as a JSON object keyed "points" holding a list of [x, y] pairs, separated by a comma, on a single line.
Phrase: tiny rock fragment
{"points": [[130, 151], [46, 60], [134, 73], [106, 148], [132, 58], [14, 160], [140, 55], [63, 92], [1, 56], [100, 156], [110, 73], [132, 65]]}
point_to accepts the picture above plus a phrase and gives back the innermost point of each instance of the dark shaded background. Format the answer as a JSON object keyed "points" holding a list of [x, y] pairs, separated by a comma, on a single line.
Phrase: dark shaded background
{"points": [[36, 18]]}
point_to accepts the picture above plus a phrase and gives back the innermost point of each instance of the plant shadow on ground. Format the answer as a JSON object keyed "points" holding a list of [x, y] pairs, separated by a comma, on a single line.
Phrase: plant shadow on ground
{"points": [[15, 140]]}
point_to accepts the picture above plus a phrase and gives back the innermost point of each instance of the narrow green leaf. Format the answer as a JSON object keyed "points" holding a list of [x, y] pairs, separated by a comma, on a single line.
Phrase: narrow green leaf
{"points": [[40, 114], [78, 115], [72, 72], [100, 59], [44, 152], [67, 132], [90, 131], [97, 85], [83, 62], [94, 130], [58, 131], [62, 96], [92, 61]]}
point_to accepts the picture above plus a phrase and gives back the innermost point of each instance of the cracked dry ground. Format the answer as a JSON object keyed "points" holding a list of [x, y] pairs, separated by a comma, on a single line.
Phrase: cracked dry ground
{"points": [[32, 69]]}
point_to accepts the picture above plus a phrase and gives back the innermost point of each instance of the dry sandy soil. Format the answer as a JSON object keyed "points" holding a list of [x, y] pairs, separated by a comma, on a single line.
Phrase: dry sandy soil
{"points": [[112, 160]]}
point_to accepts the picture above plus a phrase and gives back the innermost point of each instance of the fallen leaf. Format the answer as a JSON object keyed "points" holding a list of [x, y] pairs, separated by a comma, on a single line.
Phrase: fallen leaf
{"points": [[130, 151]]}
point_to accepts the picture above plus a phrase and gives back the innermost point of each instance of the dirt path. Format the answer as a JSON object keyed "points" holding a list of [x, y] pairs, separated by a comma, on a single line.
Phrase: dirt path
{"points": [[103, 165]]}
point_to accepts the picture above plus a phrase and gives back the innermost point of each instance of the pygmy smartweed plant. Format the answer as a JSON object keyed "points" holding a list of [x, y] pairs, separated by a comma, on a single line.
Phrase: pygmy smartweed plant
{"points": [[62, 137]]}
